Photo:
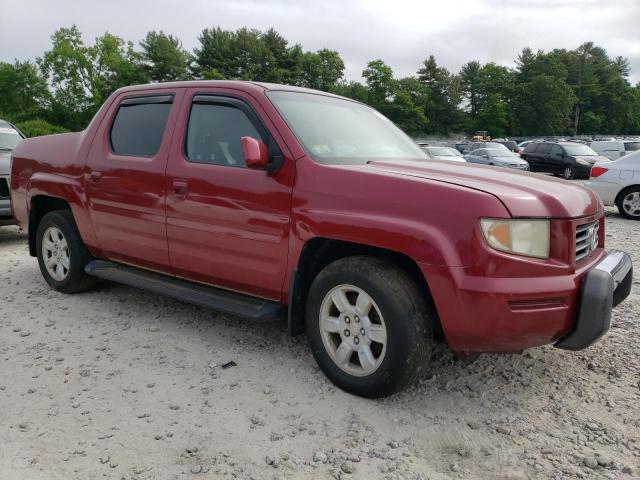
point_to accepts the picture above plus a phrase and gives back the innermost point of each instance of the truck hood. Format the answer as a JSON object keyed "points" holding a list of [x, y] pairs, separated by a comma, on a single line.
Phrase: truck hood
{"points": [[5, 162], [524, 194]]}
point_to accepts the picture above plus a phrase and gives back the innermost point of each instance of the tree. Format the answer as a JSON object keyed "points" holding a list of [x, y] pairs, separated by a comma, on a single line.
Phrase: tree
{"points": [[444, 96], [393, 98], [23, 91], [68, 66], [163, 58], [321, 70]]}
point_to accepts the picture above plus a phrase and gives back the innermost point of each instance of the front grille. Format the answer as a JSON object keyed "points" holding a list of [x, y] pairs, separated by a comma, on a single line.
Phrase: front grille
{"points": [[586, 239], [4, 188]]}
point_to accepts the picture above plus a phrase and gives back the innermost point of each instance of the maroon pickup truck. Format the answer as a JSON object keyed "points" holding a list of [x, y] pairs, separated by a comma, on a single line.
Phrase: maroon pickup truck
{"points": [[265, 200]]}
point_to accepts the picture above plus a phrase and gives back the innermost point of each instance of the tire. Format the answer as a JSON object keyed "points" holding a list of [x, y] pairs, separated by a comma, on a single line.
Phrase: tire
{"points": [[57, 237], [628, 203], [398, 314], [568, 173]]}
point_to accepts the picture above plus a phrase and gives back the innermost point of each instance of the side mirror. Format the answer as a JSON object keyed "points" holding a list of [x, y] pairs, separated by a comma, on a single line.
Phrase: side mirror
{"points": [[255, 153]]}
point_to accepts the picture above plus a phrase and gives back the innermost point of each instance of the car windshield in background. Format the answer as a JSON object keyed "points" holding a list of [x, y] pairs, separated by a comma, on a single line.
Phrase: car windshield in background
{"points": [[334, 130], [9, 138], [631, 146], [499, 152], [441, 151], [579, 150], [510, 145]]}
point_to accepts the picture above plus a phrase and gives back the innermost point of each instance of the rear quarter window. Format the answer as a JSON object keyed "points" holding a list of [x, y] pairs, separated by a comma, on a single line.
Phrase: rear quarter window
{"points": [[138, 128], [532, 147]]}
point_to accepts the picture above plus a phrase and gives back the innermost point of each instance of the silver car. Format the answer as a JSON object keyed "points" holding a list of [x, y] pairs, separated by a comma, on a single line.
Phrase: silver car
{"points": [[499, 157], [618, 183], [443, 153], [10, 136]]}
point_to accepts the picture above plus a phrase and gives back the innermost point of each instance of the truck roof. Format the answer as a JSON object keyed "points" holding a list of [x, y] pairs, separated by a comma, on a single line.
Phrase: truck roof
{"points": [[245, 85]]}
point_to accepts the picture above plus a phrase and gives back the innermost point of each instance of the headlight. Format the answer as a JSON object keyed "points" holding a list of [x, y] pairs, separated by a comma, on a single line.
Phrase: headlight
{"points": [[521, 237], [582, 162]]}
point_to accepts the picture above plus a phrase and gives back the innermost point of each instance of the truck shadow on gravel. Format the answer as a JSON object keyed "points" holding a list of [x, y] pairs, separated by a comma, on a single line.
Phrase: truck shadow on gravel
{"points": [[11, 235]]}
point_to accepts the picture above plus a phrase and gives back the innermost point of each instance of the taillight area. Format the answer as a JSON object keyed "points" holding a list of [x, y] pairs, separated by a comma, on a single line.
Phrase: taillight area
{"points": [[597, 171]]}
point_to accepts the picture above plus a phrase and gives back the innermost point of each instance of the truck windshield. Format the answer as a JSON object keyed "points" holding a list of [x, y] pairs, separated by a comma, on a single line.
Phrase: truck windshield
{"points": [[9, 138], [338, 131]]}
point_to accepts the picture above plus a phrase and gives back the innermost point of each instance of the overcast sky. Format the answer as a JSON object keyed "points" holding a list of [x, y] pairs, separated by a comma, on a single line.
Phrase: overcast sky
{"points": [[400, 32]]}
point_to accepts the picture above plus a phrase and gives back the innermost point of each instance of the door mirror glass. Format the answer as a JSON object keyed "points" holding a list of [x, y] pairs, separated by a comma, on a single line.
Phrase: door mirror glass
{"points": [[255, 152]]}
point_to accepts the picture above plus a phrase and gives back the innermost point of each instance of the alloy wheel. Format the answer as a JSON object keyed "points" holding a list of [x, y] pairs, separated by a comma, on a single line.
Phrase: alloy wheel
{"points": [[353, 330], [55, 252]]}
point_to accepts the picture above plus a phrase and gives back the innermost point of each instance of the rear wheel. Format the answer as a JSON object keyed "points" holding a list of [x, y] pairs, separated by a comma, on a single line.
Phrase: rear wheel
{"points": [[628, 203], [369, 327], [62, 255]]}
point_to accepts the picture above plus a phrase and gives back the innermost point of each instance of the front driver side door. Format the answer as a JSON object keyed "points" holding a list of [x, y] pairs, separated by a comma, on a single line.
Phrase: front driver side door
{"points": [[227, 225]]}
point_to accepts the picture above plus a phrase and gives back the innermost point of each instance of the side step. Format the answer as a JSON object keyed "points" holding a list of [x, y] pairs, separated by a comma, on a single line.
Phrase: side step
{"points": [[222, 300]]}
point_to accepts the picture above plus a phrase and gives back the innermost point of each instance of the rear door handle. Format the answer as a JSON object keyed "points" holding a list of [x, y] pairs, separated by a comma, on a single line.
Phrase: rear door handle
{"points": [[180, 188], [95, 175]]}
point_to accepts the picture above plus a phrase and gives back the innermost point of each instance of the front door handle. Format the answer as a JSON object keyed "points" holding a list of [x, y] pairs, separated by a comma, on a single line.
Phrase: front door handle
{"points": [[180, 188], [95, 175]]}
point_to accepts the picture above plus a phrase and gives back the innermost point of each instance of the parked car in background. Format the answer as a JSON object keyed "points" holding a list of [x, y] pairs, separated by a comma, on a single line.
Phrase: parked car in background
{"points": [[510, 144], [470, 147], [264, 200], [618, 183], [443, 153], [499, 157], [10, 136], [614, 149], [459, 146], [569, 159]]}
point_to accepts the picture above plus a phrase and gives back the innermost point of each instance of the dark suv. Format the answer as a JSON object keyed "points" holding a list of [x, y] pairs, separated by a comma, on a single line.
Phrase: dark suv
{"points": [[569, 159]]}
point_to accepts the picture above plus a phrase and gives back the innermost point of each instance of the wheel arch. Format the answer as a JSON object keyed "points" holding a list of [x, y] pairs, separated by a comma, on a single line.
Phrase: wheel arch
{"points": [[624, 191], [318, 252]]}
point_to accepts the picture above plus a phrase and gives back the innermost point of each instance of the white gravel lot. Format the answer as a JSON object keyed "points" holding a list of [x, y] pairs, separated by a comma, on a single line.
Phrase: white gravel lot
{"points": [[120, 383]]}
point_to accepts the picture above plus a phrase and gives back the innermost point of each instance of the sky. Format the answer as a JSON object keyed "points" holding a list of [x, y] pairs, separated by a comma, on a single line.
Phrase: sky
{"points": [[402, 33]]}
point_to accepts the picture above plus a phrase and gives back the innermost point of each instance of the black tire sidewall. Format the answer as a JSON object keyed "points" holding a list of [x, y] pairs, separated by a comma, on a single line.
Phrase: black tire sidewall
{"points": [[76, 278], [405, 335]]}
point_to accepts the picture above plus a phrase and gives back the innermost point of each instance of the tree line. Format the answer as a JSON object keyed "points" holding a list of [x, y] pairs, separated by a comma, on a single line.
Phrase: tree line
{"points": [[560, 92]]}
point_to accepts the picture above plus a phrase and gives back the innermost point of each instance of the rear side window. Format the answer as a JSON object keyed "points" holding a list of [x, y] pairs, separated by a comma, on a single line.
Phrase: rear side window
{"points": [[139, 125], [532, 147], [544, 148], [214, 132]]}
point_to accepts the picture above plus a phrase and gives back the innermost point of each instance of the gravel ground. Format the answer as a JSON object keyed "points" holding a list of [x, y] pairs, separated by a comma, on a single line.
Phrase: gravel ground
{"points": [[120, 383]]}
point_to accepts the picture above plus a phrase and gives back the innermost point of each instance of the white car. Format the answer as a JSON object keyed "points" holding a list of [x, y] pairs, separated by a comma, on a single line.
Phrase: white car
{"points": [[618, 183], [443, 153], [615, 149]]}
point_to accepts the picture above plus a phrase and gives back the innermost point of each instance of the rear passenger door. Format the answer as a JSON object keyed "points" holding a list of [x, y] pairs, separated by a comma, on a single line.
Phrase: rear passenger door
{"points": [[125, 182], [542, 157], [556, 159], [227, 225]]}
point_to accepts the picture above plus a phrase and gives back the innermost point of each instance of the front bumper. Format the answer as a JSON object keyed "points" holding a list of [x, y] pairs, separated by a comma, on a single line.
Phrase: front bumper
{"points": [[5, 212], [603, 287]]}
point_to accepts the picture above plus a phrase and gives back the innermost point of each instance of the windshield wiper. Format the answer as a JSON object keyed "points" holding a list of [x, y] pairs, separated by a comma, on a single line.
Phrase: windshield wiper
{"points": [[6, 149]]}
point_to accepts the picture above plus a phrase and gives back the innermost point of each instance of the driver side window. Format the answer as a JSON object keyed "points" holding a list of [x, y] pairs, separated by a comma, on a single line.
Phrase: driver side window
{"points": [[214, 132]]}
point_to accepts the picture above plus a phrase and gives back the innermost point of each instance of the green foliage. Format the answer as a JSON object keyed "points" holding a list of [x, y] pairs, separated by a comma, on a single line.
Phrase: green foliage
{"points": [[23, 90], [37, 128], [163, 58], [559, 92]]}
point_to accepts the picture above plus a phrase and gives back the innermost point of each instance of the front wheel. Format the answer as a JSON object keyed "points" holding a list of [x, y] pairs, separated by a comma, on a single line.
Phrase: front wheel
{"points": [[628, 203], [568, 173], [62, 255], [369, 327]]}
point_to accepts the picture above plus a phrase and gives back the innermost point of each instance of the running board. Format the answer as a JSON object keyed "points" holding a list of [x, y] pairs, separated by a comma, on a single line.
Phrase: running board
{"points": [[225, 301]]}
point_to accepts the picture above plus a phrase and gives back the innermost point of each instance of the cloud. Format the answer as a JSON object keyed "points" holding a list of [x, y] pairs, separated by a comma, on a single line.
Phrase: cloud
{"points": [[402, 33]]}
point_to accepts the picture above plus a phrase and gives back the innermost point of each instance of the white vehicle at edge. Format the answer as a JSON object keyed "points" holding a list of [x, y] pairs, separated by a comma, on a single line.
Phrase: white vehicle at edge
{"points": [[618, 183]]}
